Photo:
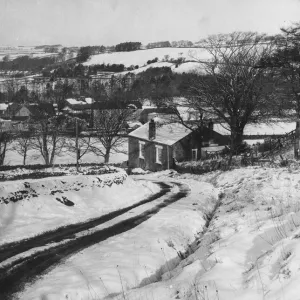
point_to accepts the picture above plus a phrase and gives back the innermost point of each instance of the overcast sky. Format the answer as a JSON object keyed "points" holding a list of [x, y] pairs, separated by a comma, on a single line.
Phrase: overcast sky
{"points": [[108, 22]]}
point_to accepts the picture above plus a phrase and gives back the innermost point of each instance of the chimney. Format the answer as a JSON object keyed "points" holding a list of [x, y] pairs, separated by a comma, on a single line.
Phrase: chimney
{"points": [[152, 130], [211, 125]]}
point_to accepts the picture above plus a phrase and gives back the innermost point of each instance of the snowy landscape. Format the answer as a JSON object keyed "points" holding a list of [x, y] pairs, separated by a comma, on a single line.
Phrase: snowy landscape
{"points": [[230, 235], [149, 150]]}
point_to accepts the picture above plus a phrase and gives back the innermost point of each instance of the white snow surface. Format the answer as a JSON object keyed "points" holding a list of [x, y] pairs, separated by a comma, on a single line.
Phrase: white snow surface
{"points": [[131, 256], [74, 101], [275, 127], [251, 249], [143, 69], [66, 157], [140, 57], [40, 211], [188, 67]]}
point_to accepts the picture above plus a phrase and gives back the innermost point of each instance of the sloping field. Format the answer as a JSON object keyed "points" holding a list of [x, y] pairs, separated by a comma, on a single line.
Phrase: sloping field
{"points": [[182, 68], [140, 57]]}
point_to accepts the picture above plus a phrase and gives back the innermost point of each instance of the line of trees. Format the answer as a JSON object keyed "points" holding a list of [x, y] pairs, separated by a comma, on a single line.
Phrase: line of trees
{"points": [[162, 44], [26, 63], [50, 136], [84, 53], [128, 46]]}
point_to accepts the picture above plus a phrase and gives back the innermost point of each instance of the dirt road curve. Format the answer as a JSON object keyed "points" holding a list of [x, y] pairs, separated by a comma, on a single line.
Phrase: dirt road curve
{"points": [[19, 271]]}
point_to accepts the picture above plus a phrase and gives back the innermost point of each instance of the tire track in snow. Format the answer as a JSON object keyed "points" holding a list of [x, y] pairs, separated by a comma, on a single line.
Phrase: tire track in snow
{"points": [[14, 277], [68, 232]]}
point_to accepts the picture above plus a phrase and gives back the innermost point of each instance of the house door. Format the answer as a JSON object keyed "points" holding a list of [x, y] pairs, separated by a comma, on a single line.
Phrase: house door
{"points": [[194, 154]]}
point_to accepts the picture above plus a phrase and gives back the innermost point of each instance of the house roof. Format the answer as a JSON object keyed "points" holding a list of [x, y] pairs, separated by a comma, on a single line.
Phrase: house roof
{"points": [[77, 107], [36, 110], [166, 133], [3, 106], [115, 105], [72, 101]]}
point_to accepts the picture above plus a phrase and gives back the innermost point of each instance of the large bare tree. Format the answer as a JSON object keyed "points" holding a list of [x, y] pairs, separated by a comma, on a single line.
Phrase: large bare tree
{"points": [[233, 88]]}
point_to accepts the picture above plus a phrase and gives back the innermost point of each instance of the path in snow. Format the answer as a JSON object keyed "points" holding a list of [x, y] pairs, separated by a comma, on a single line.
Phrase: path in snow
{"points": [[16, 273], [60, 234]]}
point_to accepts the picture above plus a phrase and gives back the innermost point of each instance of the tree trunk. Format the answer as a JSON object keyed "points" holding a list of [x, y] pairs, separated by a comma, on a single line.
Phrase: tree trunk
{"points": [[45, 149], [2, 154], [24, 157], [236, 138], [53, 151], [106, 156], [2, 157]]}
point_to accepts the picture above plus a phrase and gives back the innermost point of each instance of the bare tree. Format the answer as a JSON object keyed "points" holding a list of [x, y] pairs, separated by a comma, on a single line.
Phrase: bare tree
{"points": [[110, 126], [284, 64], [5, 139], [234, 89], [22, 144], [78, 144], [48, 139]]}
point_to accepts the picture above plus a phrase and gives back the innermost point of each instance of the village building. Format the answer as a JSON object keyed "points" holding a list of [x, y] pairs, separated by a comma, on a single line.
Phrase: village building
{"points": [[3, 108], [158, 144], [81, 106], [33, 110]]}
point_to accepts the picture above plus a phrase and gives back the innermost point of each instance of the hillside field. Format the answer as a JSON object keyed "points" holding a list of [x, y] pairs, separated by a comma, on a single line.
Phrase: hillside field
{"points": [[140, 57]]}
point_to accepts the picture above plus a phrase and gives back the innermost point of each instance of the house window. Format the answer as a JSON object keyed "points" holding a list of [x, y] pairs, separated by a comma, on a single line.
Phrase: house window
{"points": [[194, 154], [158, 150], [142, 150]]}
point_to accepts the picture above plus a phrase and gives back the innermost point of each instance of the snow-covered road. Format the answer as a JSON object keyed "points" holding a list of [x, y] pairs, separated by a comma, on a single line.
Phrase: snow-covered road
{"points": [[22, 262]]}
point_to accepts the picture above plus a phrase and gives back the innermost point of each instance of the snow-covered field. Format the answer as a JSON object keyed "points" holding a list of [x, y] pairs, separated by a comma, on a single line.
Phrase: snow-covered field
{"points": [[140, 57], [276, 127], [187, 67], [13, 158]]}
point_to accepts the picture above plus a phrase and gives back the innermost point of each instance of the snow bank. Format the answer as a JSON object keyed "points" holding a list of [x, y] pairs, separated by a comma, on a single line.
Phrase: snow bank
{"points": [[33, 206], [252, 247]]}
